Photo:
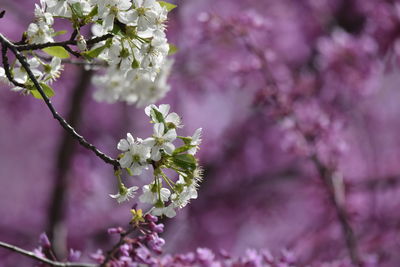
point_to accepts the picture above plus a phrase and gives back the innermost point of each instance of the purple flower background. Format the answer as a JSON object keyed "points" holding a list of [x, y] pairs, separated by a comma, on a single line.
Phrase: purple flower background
{"points": [[274, 85]]}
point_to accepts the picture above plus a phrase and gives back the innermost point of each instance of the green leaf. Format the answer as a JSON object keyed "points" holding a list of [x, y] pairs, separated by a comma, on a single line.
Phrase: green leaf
{"points": [[172, 49], [157, 115], [56, 51], [167, 5], [116, 29], [48, 91], [182, 149], [185, 161], [94, 52], [59, 33], [77, 10], [93, 12]]}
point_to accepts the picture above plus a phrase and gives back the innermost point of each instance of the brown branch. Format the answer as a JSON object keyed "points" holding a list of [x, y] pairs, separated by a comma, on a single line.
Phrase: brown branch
{"points": [[64, 44], [6, 65], [44, 260], [326, 175], [6, 43]]}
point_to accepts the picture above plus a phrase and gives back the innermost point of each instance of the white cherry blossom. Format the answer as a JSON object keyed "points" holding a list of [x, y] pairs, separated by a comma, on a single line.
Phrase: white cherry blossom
{"points": [[161, 140], [151, 196], [124, 194]]}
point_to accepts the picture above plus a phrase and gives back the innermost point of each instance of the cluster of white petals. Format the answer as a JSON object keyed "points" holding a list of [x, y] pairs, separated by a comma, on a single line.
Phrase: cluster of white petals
{"points": [[135, 86], [130, 41], [160, 152], [134, 53], [137, 58], [43, 72]]}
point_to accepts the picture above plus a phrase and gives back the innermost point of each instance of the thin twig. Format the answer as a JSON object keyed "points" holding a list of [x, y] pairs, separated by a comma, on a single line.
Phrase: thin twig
{"points": [[44, 260], [64, 44], [7, 67], [326, 176], [114, 249], [5, 42]]}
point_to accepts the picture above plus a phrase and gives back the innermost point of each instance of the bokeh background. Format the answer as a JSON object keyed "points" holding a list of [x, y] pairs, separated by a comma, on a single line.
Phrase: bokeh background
{"points": [[274, 85]]}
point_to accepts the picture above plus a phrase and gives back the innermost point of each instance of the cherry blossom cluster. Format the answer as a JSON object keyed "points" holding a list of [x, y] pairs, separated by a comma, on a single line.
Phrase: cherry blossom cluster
{"points": [[138, 67], [135, 86], [45, 73], [135, 50], [161, 153]]}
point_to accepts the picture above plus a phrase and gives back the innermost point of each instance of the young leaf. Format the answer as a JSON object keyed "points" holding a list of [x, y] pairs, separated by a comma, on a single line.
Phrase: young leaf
{"points": [[167, 5], [94, 52], [158, 115], [93, 12], [77, 10], [182, 149], [56, 51], [185, 161], [48, 91], [60, 33]]}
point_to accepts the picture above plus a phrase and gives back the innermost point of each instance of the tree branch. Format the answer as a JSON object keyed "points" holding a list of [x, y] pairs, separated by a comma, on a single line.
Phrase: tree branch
{"points": [[326, 176], [64, 44], [44, 260], [6, 43], [7, 67]]}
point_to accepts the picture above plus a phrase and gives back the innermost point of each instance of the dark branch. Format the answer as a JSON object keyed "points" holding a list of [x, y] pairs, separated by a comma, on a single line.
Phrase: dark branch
{"points": [[326, 176], [44, 260], [7, 67], [5, 42], [64, 44]]}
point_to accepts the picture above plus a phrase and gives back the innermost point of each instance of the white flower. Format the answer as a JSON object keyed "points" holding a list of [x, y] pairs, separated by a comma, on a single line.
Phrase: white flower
{"points": [[168, 211], [3, 76], [53, 69], [157, 89], [163, 109], [188, 192], [134, 86], [20, 74], [161, 140], [124, 144], [108, 10], [196, 140], [119, 54], [150, 194], [110, 85], [135, 156], [42, 15], [62, 7], [39, 33], [124, 194], [58, 7], [145, 14], [154, 54]]}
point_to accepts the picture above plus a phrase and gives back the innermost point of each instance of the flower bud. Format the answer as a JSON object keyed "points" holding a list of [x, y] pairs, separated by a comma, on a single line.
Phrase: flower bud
{"points": [[81, 43]]}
